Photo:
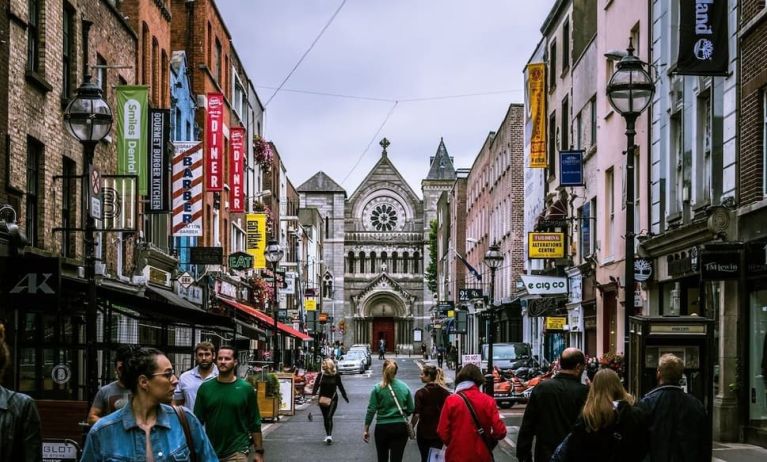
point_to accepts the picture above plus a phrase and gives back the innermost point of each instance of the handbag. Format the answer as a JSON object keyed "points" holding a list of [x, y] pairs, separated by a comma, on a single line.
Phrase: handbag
{"points": [[410, 429], [436, 454], [324, 401], [489, 441], [187, 433]]}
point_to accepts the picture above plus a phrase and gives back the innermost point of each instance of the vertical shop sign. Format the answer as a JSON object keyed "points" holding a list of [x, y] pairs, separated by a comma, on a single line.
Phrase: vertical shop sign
{"points": [[187, 189], [703, 39], [255, 238], [236, 168], [214, 143], [158, 161], [132, 103], [536, 91]]}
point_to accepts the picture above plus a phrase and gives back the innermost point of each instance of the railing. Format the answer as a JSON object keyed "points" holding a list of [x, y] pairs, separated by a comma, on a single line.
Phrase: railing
{"points": [[396, 236]]}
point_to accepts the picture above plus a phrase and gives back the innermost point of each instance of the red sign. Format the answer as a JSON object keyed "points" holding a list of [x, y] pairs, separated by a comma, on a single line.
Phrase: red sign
{"points": [[236, 171], [214, 138]]}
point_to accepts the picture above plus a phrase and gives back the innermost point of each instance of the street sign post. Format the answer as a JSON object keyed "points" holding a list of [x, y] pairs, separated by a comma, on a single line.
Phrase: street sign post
{"points": [[94, 190]]}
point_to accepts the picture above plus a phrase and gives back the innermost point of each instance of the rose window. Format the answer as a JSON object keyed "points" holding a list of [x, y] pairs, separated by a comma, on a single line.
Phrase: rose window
{"points": [[383, 218]]}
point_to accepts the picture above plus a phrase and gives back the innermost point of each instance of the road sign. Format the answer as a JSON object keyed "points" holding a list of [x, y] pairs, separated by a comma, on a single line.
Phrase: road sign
{"points": [[186, 280], [471, 359], [465, 295], [94, 192]]}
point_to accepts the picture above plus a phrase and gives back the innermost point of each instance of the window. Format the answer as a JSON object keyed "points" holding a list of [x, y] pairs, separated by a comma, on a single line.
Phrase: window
{"points": [[553, 65], [34, 157], [66, 52], [217, 62], [101, 74], [552, 143], [145, 64], [155, 71], [210, 46], [68, 207], [704, 127], [593, 122], [764, 142], [565, 124], [33, 36], [578, 131], [566, 45], [610, 209], [178, 136], [164, 82]]}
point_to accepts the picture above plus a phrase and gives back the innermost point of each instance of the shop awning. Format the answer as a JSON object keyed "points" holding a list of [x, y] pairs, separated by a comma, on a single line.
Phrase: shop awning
{"points": [[265, 319], [171, 297]]}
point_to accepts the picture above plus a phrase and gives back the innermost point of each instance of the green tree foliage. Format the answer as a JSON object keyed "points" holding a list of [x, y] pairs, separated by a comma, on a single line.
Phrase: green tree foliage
{"points": [[431, 271]]}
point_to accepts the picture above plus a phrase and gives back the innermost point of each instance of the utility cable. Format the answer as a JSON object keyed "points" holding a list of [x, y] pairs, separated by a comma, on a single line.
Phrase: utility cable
{"points": [[316, 39], [390, 100], [356, 164]]}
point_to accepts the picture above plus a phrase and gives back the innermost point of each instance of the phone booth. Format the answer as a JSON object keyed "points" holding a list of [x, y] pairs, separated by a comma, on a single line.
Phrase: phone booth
{"points": [[688, 337]]}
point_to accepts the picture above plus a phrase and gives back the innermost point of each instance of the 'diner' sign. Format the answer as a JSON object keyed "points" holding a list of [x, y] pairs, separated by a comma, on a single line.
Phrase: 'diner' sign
{"points": [[546, 245]]}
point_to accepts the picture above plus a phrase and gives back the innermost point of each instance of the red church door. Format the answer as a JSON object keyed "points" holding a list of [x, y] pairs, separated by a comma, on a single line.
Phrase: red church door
{"points": [[383, 328]]}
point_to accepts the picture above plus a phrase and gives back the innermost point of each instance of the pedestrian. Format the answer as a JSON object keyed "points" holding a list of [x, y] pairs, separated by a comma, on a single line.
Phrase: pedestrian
{"points": [[113, 395], [228, 408], [190, 381], [146, 428], [19, 420], [433, 351], [679, 429], [429, 401], [610, 426], [466, 412], [329, 383], [452, 360], [381, 348], [390, 403], [552, 409], [423, 351], [440, 356]]}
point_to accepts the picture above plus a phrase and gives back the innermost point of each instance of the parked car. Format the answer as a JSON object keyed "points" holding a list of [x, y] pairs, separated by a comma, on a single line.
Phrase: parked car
{"points": [[366, 349], [508, 357], [352, 361]]}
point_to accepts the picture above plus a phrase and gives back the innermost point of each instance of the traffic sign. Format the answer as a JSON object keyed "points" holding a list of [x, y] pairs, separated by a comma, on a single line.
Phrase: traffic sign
{"points": [[94, 192], [186, 280], [471, 359]]}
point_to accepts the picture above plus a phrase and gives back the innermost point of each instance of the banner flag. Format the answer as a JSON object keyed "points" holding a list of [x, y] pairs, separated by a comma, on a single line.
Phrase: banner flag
{"points": [[187, 189], [159, 190], [236, 170], [703, 39], [536, 90], [255, 238], [214, 143], [132, 104], [469, 267]]}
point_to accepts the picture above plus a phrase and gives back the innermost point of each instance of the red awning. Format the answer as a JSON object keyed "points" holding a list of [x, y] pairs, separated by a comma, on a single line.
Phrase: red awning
{"points": [[265, 319]]}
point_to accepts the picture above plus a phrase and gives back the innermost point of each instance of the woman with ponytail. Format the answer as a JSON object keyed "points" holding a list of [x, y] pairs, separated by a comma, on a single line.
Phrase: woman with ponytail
{"points": [[429, 401], [390, 403]]}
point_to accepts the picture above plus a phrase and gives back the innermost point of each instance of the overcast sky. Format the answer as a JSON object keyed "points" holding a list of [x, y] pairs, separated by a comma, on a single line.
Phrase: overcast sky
{"points": [[394, 50]]}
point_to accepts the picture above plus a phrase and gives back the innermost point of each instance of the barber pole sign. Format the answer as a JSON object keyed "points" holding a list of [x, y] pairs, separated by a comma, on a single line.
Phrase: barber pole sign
{"points": [[214, 143], [236, 171], [187, 189]]}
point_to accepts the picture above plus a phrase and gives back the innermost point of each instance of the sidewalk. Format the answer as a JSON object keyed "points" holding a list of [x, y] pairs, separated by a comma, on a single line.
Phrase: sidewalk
{"points": [[738, 452]]}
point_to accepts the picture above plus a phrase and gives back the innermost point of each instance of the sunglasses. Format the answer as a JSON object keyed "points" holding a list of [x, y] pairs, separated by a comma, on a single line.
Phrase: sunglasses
{"points": [[167, 374]]}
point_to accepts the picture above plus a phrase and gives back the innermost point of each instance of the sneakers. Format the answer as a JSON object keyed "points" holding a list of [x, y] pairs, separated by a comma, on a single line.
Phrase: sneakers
{"points": [[328, 440]]}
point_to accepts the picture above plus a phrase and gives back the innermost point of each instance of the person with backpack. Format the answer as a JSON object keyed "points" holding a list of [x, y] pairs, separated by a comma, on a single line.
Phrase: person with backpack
{"points": [[610, 427], [326, 385]]}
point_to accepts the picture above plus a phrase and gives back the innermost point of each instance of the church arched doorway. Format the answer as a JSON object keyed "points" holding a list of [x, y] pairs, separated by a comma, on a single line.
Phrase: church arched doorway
{"points": [[384, 317]]}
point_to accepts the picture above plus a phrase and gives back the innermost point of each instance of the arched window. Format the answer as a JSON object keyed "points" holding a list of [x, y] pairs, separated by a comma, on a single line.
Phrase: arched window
{"points": [[394, 262], [383, 262], [327, 286], [373, 267], [362, 262], [416, 263], [350, 263], [405, 264]]}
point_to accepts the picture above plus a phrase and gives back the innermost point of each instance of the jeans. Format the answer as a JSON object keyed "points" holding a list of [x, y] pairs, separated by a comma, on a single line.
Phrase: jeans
{"points": [[390, 441], [425, 444], [327, 415]]}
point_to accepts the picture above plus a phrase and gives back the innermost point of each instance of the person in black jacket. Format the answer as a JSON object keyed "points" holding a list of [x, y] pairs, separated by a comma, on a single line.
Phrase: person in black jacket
{"points": [[326, 384], [553, 408], [679, 428]]}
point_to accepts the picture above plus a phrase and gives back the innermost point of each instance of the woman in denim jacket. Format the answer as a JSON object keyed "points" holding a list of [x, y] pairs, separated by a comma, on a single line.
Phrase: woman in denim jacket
{"points": [[146, 428]]}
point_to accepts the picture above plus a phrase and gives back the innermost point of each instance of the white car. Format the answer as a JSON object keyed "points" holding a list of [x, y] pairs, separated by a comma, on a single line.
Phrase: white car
{"points": [[352, 362]]}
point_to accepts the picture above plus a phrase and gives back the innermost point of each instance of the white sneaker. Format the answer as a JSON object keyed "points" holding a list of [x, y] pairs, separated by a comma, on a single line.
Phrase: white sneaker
{"points": [[329, 440]]}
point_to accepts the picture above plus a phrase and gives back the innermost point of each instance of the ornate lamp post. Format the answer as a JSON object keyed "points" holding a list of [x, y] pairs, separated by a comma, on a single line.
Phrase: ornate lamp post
{"points": [[493, 260], [630, 91], [274, 254], [88, 118]]}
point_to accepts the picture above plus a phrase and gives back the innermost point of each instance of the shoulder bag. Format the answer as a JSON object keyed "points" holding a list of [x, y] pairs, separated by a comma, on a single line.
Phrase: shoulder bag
{"points": [[410, 430], [187, 433], [324, 401], [489, 441]]}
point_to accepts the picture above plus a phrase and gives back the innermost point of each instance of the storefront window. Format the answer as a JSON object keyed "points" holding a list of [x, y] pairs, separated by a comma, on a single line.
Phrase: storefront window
{"points": [[758, 358]]}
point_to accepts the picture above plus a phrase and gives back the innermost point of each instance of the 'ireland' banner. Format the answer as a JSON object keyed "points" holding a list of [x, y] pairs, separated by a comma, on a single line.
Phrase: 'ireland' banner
{"points": [[703, 37], [132, 108]]}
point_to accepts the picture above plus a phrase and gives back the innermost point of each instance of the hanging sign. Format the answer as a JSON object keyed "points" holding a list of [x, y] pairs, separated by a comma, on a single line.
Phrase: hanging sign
{"points": [[132, 103], [571, 168], [159, 120], [240, 261], [214, 143], [255, 238], [310, 304], [187, 189], [236, 170], [703, 38], [556, 322], [642, 269], [536, 93], [546, 245]]}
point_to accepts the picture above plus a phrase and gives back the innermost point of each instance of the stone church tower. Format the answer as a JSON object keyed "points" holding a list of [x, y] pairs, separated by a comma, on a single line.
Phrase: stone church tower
{"points": [[375, 250]]}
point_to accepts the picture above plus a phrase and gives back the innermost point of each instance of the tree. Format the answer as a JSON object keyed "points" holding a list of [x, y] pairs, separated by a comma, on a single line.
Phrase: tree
{"points": [[431, 271]]}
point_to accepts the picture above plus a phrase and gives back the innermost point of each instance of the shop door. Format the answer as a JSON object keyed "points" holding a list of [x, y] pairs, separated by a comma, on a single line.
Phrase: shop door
{"points": [[383, 328]]}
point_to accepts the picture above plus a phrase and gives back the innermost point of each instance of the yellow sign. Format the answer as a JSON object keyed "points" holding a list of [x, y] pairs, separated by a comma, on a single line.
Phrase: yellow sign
{"points": [[545, 245], [536, 91], [556, 323], [451, 313], [255, 238], [310, 304]]}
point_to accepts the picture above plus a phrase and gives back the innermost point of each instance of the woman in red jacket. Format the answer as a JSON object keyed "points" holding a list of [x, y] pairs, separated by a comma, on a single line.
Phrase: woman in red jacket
{"points": [[456, 424]]}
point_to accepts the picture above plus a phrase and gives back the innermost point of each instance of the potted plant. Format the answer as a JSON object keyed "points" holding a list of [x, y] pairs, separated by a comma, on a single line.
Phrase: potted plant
{"points": [[267, 394]]}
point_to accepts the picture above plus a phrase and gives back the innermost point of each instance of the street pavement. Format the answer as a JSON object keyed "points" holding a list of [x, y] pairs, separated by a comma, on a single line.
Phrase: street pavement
{"points": [[297, 438]]}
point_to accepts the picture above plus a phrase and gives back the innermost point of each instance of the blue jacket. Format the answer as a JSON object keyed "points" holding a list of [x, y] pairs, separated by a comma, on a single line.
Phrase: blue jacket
{"points": [[117, 437]]}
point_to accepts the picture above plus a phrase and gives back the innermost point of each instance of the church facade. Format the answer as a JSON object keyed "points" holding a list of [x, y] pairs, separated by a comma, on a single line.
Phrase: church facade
{"points": [[376, 250]]}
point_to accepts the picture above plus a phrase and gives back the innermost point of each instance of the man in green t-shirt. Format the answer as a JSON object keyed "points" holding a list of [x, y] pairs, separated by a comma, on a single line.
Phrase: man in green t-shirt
{"points": [[228, 408]]}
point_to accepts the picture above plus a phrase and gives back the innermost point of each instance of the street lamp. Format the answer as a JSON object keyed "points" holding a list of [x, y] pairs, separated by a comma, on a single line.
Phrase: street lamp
{"points": [[274, 254], [88, 118], [493, 260], [630, 91]]}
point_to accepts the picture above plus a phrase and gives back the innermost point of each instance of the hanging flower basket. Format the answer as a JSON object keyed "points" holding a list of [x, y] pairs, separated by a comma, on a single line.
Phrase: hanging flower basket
{"points": [[614, 362], [264, 153], [262, 292]]}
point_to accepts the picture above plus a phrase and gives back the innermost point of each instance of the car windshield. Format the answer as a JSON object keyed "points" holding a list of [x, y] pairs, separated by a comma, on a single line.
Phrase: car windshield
{"points": [[351, 356], [508, 352]]}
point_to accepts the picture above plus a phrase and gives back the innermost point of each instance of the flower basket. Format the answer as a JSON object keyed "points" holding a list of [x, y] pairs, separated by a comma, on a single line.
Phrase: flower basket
{"points": [[614, 362], [263, 153]]}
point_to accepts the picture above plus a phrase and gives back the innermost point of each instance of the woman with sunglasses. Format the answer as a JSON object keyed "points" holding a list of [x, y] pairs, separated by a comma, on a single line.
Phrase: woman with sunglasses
{"points": [[147, 428]]}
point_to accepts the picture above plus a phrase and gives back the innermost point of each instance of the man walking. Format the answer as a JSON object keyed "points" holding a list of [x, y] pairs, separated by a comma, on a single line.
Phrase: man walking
{"points": [[228, 408], [553, 408], [679, 429], [114, 395], [189, 382], [381, 348]]}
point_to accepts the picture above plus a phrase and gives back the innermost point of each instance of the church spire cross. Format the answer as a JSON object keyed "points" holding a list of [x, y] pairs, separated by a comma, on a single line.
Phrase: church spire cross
{"points": [[384, 144]]}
